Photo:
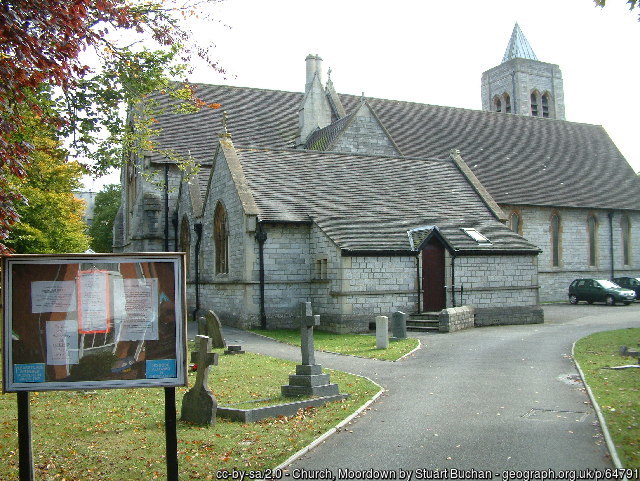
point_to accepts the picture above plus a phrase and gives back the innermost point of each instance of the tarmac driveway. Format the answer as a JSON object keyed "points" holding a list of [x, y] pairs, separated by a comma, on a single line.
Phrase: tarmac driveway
{"points": [[493, 398]]}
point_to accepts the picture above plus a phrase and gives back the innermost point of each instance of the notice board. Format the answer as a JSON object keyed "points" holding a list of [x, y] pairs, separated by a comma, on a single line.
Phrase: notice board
{"points": [[93, 321]]}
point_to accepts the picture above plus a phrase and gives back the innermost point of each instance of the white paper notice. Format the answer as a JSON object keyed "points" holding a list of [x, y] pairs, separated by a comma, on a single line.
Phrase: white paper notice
{"points": [[62, 342], [141, 306], [53, 296], [93, 301]]}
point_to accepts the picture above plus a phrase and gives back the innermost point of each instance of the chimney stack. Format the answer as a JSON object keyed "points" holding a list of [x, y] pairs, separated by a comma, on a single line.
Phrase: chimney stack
{"points": [[314, 65]]}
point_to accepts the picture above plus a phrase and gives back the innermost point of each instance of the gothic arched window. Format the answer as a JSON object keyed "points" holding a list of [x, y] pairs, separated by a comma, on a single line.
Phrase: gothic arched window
{"points": [[515, 222], [625, 226], [555, 240], [185, 241], [497, 104], [592, 232], [221, 239], [507, 103], [545, 105], [534, 103]]}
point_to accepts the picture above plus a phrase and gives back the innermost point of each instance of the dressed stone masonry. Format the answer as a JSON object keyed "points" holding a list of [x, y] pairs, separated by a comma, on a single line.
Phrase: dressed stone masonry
{"points": [[309, 379], [364, 205]]}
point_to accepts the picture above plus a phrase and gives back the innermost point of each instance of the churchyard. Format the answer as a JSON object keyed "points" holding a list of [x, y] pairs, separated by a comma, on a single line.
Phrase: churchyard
{"points": [[119, 434]]}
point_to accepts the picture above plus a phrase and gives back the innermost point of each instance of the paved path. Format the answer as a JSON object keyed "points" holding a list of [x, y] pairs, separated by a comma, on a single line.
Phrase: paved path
{"points": [[494, 398]]}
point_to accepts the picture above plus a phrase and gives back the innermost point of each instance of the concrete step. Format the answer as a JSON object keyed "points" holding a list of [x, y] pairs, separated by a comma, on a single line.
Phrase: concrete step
{"points": [[423, 323]]}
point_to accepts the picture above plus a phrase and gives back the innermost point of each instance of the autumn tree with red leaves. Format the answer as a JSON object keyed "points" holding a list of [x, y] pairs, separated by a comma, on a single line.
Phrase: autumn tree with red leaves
{"points": [[44, 73]]}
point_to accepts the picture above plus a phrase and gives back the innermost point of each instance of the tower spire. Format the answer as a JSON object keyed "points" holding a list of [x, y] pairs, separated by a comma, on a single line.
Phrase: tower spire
{"points": [[518, 46]]}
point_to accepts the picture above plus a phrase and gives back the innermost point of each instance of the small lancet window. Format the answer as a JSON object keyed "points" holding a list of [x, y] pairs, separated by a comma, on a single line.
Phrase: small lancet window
{"points": [[507, 103], [545, 106], [534, 104], [221, 239], [515, 222], [476, 236]]}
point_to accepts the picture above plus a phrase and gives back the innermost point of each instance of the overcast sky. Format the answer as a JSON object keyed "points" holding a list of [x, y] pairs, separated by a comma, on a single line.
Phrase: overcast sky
{"points": [[434, 52]]}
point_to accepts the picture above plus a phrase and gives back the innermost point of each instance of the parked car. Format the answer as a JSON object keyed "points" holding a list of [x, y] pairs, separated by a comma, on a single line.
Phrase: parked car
{"points": [[632, 283], [599, 290]]}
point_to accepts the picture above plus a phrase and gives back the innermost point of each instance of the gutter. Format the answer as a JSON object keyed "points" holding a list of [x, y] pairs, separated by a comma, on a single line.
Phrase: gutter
{"points": [[610, 215]]}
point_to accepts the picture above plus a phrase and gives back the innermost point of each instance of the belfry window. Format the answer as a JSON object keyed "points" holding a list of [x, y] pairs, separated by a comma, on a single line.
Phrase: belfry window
{"points": [[497, 104], [221, 239], [534, 104], [507, 103], [545, 106]]}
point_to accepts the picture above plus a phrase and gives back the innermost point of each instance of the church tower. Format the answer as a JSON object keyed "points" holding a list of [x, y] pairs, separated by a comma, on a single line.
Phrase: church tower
{"points": [[522, 84]]}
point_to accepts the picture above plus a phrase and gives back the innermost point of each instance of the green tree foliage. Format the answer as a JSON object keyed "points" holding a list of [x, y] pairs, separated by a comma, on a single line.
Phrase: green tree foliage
{"points": [[106, 207], [632, 4], [51, 220], [140, 45]]}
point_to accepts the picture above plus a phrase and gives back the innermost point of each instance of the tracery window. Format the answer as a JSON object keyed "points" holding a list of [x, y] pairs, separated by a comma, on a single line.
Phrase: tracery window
{"points": [[221, 239]]}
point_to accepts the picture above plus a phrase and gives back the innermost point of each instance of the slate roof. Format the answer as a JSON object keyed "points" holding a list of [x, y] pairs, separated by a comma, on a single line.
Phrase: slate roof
{"points": [[369, 203], [520, 160]]}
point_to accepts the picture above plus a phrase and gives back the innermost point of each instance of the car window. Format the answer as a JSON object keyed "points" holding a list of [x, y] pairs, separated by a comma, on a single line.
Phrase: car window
{"points": [[581, 283], [633, 282], [607, 284]]}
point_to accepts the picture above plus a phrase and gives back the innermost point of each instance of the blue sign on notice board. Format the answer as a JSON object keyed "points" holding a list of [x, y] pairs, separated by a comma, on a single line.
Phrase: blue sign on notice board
{"points": [[28, 372], [161, 369]]}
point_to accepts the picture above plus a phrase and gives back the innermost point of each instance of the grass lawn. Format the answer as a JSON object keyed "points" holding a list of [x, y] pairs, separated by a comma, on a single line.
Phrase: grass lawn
{"points": [[117, 435], [362, 345], [617, 391]]}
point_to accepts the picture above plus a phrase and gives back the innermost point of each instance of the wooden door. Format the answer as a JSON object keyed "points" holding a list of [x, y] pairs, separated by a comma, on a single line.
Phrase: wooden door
{"points": [[434, 296]]}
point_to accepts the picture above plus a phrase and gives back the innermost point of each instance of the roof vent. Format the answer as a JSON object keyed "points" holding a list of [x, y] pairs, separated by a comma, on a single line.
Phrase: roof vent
{"points": [[477, 236]]}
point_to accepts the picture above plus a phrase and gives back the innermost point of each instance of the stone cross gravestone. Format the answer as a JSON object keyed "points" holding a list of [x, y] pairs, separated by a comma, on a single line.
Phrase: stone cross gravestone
{"points": [[199, 404], [309, 379]]}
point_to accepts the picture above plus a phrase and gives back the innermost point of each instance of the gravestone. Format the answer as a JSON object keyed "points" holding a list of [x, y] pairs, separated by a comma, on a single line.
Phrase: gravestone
{"points": [[382, 332], [399, 325], [214, 330], [199, 404], [309, 379]]}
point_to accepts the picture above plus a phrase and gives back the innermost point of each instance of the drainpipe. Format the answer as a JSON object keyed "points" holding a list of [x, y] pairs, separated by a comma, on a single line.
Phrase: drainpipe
{"points": [[166, 207], [453, 280], [198, 228], [261, 237], [174, 221], [610, 215], [418, 283]]}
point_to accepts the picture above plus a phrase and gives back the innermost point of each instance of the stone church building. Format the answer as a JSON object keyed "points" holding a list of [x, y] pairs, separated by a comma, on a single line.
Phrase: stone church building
{"points": [[366, 206]]}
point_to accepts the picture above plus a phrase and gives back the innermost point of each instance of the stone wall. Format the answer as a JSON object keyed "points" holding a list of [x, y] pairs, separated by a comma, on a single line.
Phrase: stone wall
{"points": [[496, 281], [365, 135], [574, 246], [508, 315], [456, 318]]}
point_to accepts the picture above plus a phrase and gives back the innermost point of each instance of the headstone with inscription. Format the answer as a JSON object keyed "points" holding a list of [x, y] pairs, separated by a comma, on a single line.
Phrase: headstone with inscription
{"points": [[309, 379], [399, 325], [199, 405]]}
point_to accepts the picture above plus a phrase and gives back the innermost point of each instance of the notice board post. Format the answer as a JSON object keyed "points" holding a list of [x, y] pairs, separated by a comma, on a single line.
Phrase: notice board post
{"points": [[94, 321]]}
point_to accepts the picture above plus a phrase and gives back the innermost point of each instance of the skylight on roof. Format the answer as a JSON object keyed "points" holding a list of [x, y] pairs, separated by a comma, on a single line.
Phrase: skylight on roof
{"points": [[476, 236]]}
